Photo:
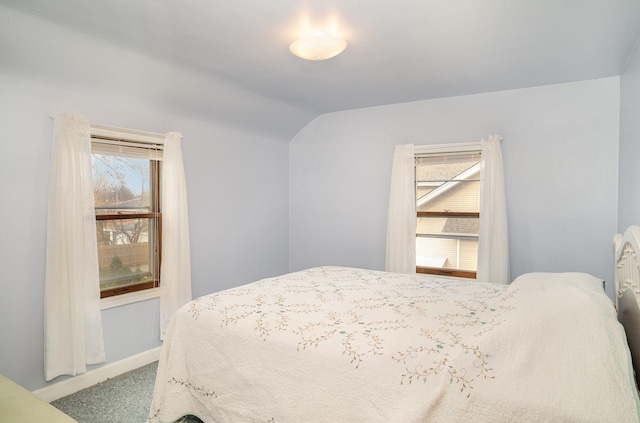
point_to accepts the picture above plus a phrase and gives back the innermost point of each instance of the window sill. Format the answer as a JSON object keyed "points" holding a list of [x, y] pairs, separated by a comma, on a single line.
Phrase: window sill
{"points": [[446, 272], [133, 297]]}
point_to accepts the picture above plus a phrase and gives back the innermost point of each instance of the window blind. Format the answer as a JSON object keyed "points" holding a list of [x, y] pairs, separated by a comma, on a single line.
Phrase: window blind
{"points": [[126, 142]]}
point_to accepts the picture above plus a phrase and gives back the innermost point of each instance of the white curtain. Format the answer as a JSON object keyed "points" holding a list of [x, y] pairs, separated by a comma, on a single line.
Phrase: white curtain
{"points": [[175, 271], [401, 220], [493, 243], [73, 323]]}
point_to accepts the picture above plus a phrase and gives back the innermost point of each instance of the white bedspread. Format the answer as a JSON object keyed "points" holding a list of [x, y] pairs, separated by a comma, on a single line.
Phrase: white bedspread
{"points": [[334, 344]]}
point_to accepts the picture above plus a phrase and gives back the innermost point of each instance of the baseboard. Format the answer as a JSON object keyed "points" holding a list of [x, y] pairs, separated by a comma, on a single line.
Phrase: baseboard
{"points": [[92, 377]]}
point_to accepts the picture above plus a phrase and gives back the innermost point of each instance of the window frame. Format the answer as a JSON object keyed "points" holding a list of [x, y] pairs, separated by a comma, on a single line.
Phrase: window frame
{"points": [[435, 150], [121, 137]]}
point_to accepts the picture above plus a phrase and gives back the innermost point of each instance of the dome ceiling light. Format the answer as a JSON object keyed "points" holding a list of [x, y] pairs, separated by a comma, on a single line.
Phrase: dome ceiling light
{"points": [[317, 45]]}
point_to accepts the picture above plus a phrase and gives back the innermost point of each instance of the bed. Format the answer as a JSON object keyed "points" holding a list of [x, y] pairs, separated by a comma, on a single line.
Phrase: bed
{"points": [[627, 290], [337, 344]]}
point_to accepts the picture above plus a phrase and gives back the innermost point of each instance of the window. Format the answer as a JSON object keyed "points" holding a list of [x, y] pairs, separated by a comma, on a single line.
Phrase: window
{"points": [[448, 210], [126, 183]]}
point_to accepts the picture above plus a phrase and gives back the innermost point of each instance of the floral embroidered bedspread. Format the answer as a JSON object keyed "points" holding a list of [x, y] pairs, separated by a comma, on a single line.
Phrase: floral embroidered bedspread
{"points": [[336, 344]]}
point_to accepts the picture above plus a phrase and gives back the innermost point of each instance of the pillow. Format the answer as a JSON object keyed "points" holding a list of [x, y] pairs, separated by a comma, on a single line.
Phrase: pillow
{"points": [[629, 316]]}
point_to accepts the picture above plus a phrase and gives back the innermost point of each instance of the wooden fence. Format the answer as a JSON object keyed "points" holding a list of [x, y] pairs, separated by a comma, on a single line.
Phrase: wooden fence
{"points": [[131, 254]]}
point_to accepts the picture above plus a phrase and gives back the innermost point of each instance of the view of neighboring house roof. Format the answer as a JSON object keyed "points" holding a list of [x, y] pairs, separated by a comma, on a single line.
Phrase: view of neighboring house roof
{"points": [[441, 171], [465, 225], [463, 171], [442, 178]]}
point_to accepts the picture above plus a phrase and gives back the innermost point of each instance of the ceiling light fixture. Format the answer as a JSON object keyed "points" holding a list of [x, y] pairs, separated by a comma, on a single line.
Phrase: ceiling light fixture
{"points": [[318, 45]]}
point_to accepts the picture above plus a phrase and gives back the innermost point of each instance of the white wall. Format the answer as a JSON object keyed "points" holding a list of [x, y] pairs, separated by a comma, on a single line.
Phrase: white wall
{"points": [[237, 178], [629, 190], [560, 149]]}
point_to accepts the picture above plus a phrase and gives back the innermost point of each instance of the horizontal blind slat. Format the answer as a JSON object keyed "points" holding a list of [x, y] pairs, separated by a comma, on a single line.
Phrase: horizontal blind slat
{"points": [[126, 149]]}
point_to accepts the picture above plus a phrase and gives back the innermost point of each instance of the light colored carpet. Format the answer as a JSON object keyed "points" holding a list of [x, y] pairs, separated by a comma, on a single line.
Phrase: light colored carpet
{"points": [[123, 399]]}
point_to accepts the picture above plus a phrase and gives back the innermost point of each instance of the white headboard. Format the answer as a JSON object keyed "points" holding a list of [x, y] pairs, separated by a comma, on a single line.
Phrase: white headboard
{"points": [[627, 272]]}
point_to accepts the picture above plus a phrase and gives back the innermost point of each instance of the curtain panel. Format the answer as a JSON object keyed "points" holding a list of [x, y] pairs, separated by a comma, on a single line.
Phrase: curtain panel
{"points": [[73, 323], [175, 270], [401, 218], [493, 241]]}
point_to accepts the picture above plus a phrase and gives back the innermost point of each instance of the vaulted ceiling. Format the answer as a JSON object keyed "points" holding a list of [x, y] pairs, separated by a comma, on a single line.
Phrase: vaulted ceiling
{"points": [[398, 50]]}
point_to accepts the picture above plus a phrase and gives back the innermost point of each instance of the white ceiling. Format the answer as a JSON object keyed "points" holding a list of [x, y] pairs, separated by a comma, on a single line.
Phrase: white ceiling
{"points": [[399, 50]]}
